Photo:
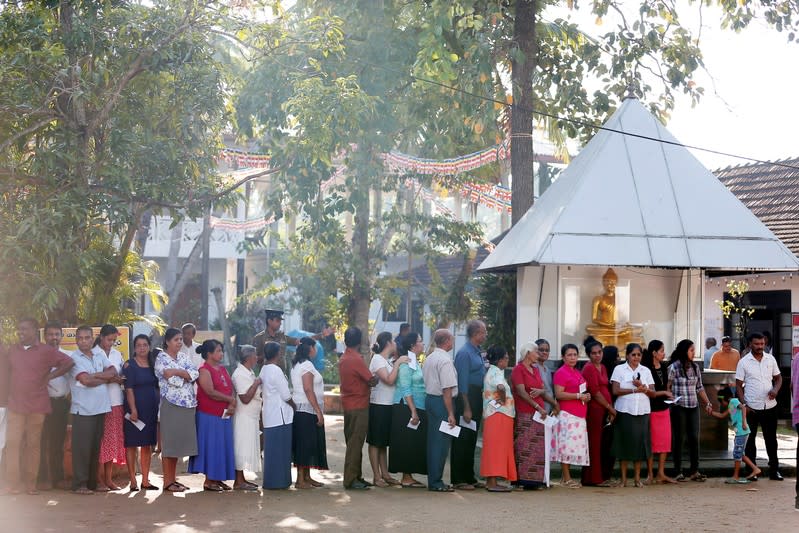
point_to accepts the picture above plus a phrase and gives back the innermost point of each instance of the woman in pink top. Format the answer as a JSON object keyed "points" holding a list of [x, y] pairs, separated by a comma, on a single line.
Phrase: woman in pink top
{"points": [[570, 444], [215, 403]]}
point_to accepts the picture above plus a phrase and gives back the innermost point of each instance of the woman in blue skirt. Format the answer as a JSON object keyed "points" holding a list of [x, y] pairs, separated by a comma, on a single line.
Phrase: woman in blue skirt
{"points": [[278, 418], [215, 403]]}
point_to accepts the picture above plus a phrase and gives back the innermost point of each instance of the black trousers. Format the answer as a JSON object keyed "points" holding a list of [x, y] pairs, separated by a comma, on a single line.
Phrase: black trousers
{"points": [[51, 461], [684, 426], [462, 451], [87, 433], [767, 419]]}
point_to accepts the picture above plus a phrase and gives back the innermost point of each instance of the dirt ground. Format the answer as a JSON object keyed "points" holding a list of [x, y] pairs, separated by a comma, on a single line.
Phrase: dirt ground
{"points": [[710, 506]]}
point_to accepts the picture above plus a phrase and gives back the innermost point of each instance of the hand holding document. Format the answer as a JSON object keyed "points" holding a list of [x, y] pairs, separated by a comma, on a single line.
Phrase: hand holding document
{"points": [[454, 431], [138, 423], [412, 426], [672, 401], [468, 425], [225, 414]]}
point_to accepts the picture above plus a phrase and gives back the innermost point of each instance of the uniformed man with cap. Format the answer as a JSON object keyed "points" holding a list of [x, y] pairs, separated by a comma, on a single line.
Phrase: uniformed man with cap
{"points": [[272, 333]]}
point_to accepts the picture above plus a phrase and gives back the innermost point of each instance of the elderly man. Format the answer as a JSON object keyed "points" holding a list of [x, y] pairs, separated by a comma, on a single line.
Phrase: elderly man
{"points": [[189, 347], [727, 358], [356, 384], [51, 461], [758, 381], [90, 403], [471, 368], [32, 365], [441, 386]]}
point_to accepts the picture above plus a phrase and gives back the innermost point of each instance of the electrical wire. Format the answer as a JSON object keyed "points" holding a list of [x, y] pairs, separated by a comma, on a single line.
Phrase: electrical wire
{"points": [[579, 122]]}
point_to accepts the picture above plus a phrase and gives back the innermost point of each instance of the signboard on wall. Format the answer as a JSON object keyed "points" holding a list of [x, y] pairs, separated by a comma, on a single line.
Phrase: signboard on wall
{"points": [[794, 334], [122, 344]]}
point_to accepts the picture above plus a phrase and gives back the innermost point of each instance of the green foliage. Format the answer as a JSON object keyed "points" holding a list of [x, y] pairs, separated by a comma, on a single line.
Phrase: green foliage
{"points": [[735, 309], [109, 110], [496, 305]]}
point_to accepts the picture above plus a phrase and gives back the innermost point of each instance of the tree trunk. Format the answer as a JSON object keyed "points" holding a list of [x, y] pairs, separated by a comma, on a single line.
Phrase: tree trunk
{"points": [[361, 297], [522, 70]]}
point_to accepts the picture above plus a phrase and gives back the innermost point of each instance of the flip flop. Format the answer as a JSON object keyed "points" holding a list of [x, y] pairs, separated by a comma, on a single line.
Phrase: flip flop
{"points": [[149, 487], [444, 488], [391, 481], [380, 483], [213, 488], [225, 486], [102, 489], [82, 491], [499, 489], [414, 485], [246, 488], [464, 486], [175, 487], [134, 488]]}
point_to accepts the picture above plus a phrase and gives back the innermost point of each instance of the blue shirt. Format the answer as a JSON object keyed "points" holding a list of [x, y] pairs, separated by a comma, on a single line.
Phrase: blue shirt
{"points": [[410, 383], [470, 367], [736, 418], [88, 401]]}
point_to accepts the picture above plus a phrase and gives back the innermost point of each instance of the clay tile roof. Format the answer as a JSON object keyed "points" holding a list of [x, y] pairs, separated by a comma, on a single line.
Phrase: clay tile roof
{"points": [[771, 192]]}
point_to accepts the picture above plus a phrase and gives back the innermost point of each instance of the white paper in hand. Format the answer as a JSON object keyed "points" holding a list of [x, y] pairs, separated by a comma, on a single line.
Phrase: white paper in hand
{"points": [[583, 388], [672, 401], [413, 363], [138, 423], [225, 415], [468, 425], [454, 431], [412, 426]]}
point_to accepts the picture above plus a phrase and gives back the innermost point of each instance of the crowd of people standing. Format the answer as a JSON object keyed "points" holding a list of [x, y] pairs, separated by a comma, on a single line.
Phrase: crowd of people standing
{"points": [[415, 409]]}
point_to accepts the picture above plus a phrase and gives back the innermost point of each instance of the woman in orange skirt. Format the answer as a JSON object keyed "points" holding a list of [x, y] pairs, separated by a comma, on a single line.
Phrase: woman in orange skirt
{"points": [[497, 460]]}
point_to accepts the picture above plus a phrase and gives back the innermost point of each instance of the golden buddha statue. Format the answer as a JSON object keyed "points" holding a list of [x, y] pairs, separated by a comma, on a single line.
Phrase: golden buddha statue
{"points": [[603, 315]]}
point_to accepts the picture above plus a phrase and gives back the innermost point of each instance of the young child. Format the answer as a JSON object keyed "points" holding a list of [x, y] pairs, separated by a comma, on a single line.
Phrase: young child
{"points": [[736, 412]]}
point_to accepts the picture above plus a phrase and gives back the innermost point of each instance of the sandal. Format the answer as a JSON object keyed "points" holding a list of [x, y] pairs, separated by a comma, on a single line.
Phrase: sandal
{"points": [[680, 478], [414, 485], [315, 483], [380, 483], [464, 486], [442, 488], [608, 484], [696, 476], [175, 487], [224, 485], [499, 488], [638, 484], [149, 487], [391, 481], [246, 487], [83, 491], [102, 488], [134, 488]]}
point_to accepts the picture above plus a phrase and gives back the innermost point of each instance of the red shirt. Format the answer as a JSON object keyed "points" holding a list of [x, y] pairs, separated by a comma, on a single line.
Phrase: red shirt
{"points": [[222, 383], [5, 375], [597, 381], [531, 379], [354, 376], [29, 368]]}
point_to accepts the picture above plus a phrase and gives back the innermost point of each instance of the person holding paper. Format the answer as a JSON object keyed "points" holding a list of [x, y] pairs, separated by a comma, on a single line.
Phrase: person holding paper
{"points": [[529, 436], [544, 349], [308, 448], [471, 370], [659, 418], [498, 407], [385, 367], [599, 418], [246, 435], [215, 404], [632, 385], [408, 418], [441, 386], [176, 375], [141, 406], [571, 391], [278, 418], [685, 383]]}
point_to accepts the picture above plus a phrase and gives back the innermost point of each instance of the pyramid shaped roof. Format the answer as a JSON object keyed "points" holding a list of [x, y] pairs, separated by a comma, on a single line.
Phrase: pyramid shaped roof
{"points": [[627, 200]]}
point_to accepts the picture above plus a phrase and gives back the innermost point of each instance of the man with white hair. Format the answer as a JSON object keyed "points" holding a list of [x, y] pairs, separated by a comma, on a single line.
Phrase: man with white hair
{"points": [[441, 386]]}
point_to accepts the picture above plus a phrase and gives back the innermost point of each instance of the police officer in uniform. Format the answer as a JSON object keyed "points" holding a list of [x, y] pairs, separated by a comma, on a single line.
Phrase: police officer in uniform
{"points": [[272, 333]]}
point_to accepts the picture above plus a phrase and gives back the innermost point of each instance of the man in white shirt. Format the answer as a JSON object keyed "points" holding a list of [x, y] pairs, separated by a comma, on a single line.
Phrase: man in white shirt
{"points": [[189, 346], [51, 463], [758, 381], [441, 386]]}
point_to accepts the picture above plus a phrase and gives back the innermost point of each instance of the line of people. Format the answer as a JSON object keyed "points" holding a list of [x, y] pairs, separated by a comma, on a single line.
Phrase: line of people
{"points": [[414, 412]]}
